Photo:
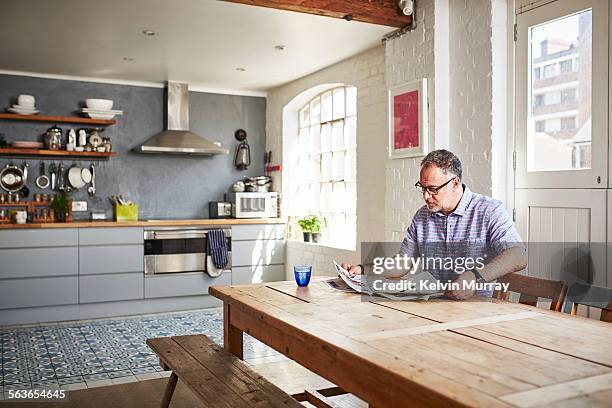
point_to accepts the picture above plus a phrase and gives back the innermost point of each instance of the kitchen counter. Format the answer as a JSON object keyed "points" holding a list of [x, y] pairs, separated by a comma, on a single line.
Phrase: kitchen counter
{"points": [[149, 223]]}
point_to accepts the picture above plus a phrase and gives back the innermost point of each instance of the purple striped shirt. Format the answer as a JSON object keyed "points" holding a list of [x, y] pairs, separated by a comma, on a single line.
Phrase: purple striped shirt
{"points": [[479, 227]]}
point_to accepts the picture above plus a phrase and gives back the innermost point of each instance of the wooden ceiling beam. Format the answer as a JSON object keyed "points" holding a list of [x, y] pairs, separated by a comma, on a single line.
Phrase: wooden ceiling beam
{"points": [[381, 12]]}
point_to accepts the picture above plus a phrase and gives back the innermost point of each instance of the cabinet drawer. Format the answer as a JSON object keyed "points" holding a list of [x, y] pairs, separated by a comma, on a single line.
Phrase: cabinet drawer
{"points": [[260, 252], [106, 288], [16, 293], [39, 238], [253, 232], [30, 262], [182, 284], [257, 274], [111, 236], [111, 259]]}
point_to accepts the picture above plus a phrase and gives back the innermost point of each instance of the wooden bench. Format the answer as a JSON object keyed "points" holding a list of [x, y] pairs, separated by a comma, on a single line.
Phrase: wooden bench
{"points": [[216, 377]]}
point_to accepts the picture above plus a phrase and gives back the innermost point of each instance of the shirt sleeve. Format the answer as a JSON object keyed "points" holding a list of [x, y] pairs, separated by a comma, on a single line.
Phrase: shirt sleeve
{"points": [[502, 231], [410, 245]]}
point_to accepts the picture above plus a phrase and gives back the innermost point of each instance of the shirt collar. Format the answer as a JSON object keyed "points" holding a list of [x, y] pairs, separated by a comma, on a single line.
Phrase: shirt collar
{"points": [[463, 203]]}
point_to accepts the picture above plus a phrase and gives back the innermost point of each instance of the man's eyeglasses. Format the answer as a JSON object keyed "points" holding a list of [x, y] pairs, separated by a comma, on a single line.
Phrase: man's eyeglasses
{"points": [[433, 190]]}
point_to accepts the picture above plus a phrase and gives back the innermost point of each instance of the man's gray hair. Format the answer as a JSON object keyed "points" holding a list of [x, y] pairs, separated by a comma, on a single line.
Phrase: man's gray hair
{"points": [[446, 161]]}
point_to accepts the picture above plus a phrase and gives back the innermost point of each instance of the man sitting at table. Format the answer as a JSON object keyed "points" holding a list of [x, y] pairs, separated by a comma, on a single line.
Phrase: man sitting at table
{"points": [[456, 222]]}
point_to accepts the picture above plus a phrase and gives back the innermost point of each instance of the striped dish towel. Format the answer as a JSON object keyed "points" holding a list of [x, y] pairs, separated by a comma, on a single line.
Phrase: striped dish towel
{"points": [[217, 247]]}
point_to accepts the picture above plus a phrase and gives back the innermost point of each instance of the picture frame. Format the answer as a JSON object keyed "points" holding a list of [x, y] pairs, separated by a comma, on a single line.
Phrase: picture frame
{"points": [[408, 120]]}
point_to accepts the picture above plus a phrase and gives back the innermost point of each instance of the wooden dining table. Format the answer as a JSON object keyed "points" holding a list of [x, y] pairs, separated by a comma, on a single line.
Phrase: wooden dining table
{"points": [[439, 353]]}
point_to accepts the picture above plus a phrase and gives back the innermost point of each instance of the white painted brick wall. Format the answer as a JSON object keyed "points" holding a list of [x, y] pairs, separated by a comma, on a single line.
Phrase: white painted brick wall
{"points": [[466, 57], [409, 58]]}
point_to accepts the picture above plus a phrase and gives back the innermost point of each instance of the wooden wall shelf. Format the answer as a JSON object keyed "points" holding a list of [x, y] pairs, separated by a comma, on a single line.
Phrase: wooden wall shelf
{"points": [[59, 154], [57, 119]]}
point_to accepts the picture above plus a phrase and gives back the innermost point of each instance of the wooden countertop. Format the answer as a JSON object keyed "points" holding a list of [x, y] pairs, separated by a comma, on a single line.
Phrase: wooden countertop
{"points": [[156, 223]]}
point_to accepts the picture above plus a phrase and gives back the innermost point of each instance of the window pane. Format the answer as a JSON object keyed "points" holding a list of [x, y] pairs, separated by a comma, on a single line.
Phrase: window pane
{"points": [[350, 165], [326, 137], [338, 103], [559, 122], [350, 132], [338, 166], [314, 198], [304, 117], [338, 197], [325, 198], [326, 107], [351, 101], [326, 166], [315, 168], [338, 135], [351, 198], [304, 139], [315, 111], [315, 138]]}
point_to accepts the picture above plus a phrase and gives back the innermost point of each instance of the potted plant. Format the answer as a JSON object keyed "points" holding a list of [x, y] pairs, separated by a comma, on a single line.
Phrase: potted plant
{"points": [[311, 227], [61, 206]]}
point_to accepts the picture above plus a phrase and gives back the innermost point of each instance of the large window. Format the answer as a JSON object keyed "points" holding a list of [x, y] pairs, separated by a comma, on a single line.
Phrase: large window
{"points": [[326, 171]]}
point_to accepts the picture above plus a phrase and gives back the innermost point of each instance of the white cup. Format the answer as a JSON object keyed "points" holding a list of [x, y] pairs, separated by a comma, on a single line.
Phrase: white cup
{"points": [[26, 100], [21, 217]]}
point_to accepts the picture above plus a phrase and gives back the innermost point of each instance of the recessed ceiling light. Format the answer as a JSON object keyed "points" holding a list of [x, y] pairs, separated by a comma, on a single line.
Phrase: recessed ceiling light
{"points": [[240, 69], [280, 47], [150, 33], [128, 59]]}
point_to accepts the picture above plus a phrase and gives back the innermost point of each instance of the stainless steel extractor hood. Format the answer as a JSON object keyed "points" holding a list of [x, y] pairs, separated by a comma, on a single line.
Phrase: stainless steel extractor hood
{"points": [[177, 139]]}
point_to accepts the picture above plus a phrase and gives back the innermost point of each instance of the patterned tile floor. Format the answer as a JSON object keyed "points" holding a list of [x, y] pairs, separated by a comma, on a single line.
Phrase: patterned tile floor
{"points": [[92, 351]]}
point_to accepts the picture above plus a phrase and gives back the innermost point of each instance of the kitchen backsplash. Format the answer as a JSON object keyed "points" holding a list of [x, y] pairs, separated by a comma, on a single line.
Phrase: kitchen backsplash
{"points": [[163, 186]]}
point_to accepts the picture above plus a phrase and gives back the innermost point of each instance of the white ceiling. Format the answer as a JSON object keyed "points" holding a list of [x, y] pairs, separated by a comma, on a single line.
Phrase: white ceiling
{"points": [[198, 41]]}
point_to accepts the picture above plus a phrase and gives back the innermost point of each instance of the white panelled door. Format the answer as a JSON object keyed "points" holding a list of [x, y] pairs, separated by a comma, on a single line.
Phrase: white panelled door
{"points": [[566, 230], [562, 133]]}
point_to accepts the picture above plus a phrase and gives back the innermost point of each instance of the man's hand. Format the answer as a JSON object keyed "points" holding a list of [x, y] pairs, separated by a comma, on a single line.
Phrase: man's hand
{"points": [[352, 269], [462, 293]]}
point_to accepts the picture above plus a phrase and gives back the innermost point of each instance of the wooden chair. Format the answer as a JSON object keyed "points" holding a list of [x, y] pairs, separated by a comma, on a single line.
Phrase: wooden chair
{"points": [[531, 288], [588, 295]]}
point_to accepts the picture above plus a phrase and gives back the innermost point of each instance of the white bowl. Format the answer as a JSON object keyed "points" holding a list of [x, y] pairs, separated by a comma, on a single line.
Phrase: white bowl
{"points": [[101, 104]]}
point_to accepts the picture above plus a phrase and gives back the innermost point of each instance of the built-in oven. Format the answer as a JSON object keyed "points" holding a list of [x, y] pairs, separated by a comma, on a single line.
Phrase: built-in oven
{"points": [[181, 250]]}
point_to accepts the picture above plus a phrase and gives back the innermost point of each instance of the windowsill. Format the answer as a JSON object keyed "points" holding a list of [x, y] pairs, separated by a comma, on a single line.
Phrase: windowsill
{"points": [[321, 245]]}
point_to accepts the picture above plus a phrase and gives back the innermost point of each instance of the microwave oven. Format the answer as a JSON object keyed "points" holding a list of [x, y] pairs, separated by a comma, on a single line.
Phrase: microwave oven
{"points": [[254, 204]]}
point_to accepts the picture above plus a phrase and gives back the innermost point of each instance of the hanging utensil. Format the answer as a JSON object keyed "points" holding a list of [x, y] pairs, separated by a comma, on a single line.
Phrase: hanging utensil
{"points": [[92, 188], [242, 159], [61, 185], [53, 173], [42, 181], [12, 178]]}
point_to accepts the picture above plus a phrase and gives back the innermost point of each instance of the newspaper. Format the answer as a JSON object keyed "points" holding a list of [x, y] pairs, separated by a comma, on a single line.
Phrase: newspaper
{"points": [[354, 283]]}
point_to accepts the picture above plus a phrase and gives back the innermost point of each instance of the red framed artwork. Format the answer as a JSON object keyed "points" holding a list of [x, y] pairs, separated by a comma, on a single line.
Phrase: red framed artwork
{"points": [[408, 120]]}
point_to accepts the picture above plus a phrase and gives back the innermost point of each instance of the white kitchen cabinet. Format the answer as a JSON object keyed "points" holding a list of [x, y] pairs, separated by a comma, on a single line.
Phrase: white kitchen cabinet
{"points": [[257, 274], [258, 253]]}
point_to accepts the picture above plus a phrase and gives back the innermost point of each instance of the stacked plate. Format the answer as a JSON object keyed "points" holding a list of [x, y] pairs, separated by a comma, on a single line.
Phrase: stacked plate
{"points": [[101, 114], [100, 109], [23, 110], [26, 144]]}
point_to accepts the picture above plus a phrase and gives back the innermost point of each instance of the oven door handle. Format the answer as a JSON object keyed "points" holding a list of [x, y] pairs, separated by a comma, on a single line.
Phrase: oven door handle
{"points": [[178, 234]]}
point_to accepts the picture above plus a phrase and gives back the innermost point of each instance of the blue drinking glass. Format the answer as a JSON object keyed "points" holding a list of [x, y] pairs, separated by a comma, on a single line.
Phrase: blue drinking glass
{"points": [[302, 274]]}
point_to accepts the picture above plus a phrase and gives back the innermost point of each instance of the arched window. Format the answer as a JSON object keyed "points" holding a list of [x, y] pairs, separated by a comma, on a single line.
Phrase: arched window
{"points": [[324, 179]]}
